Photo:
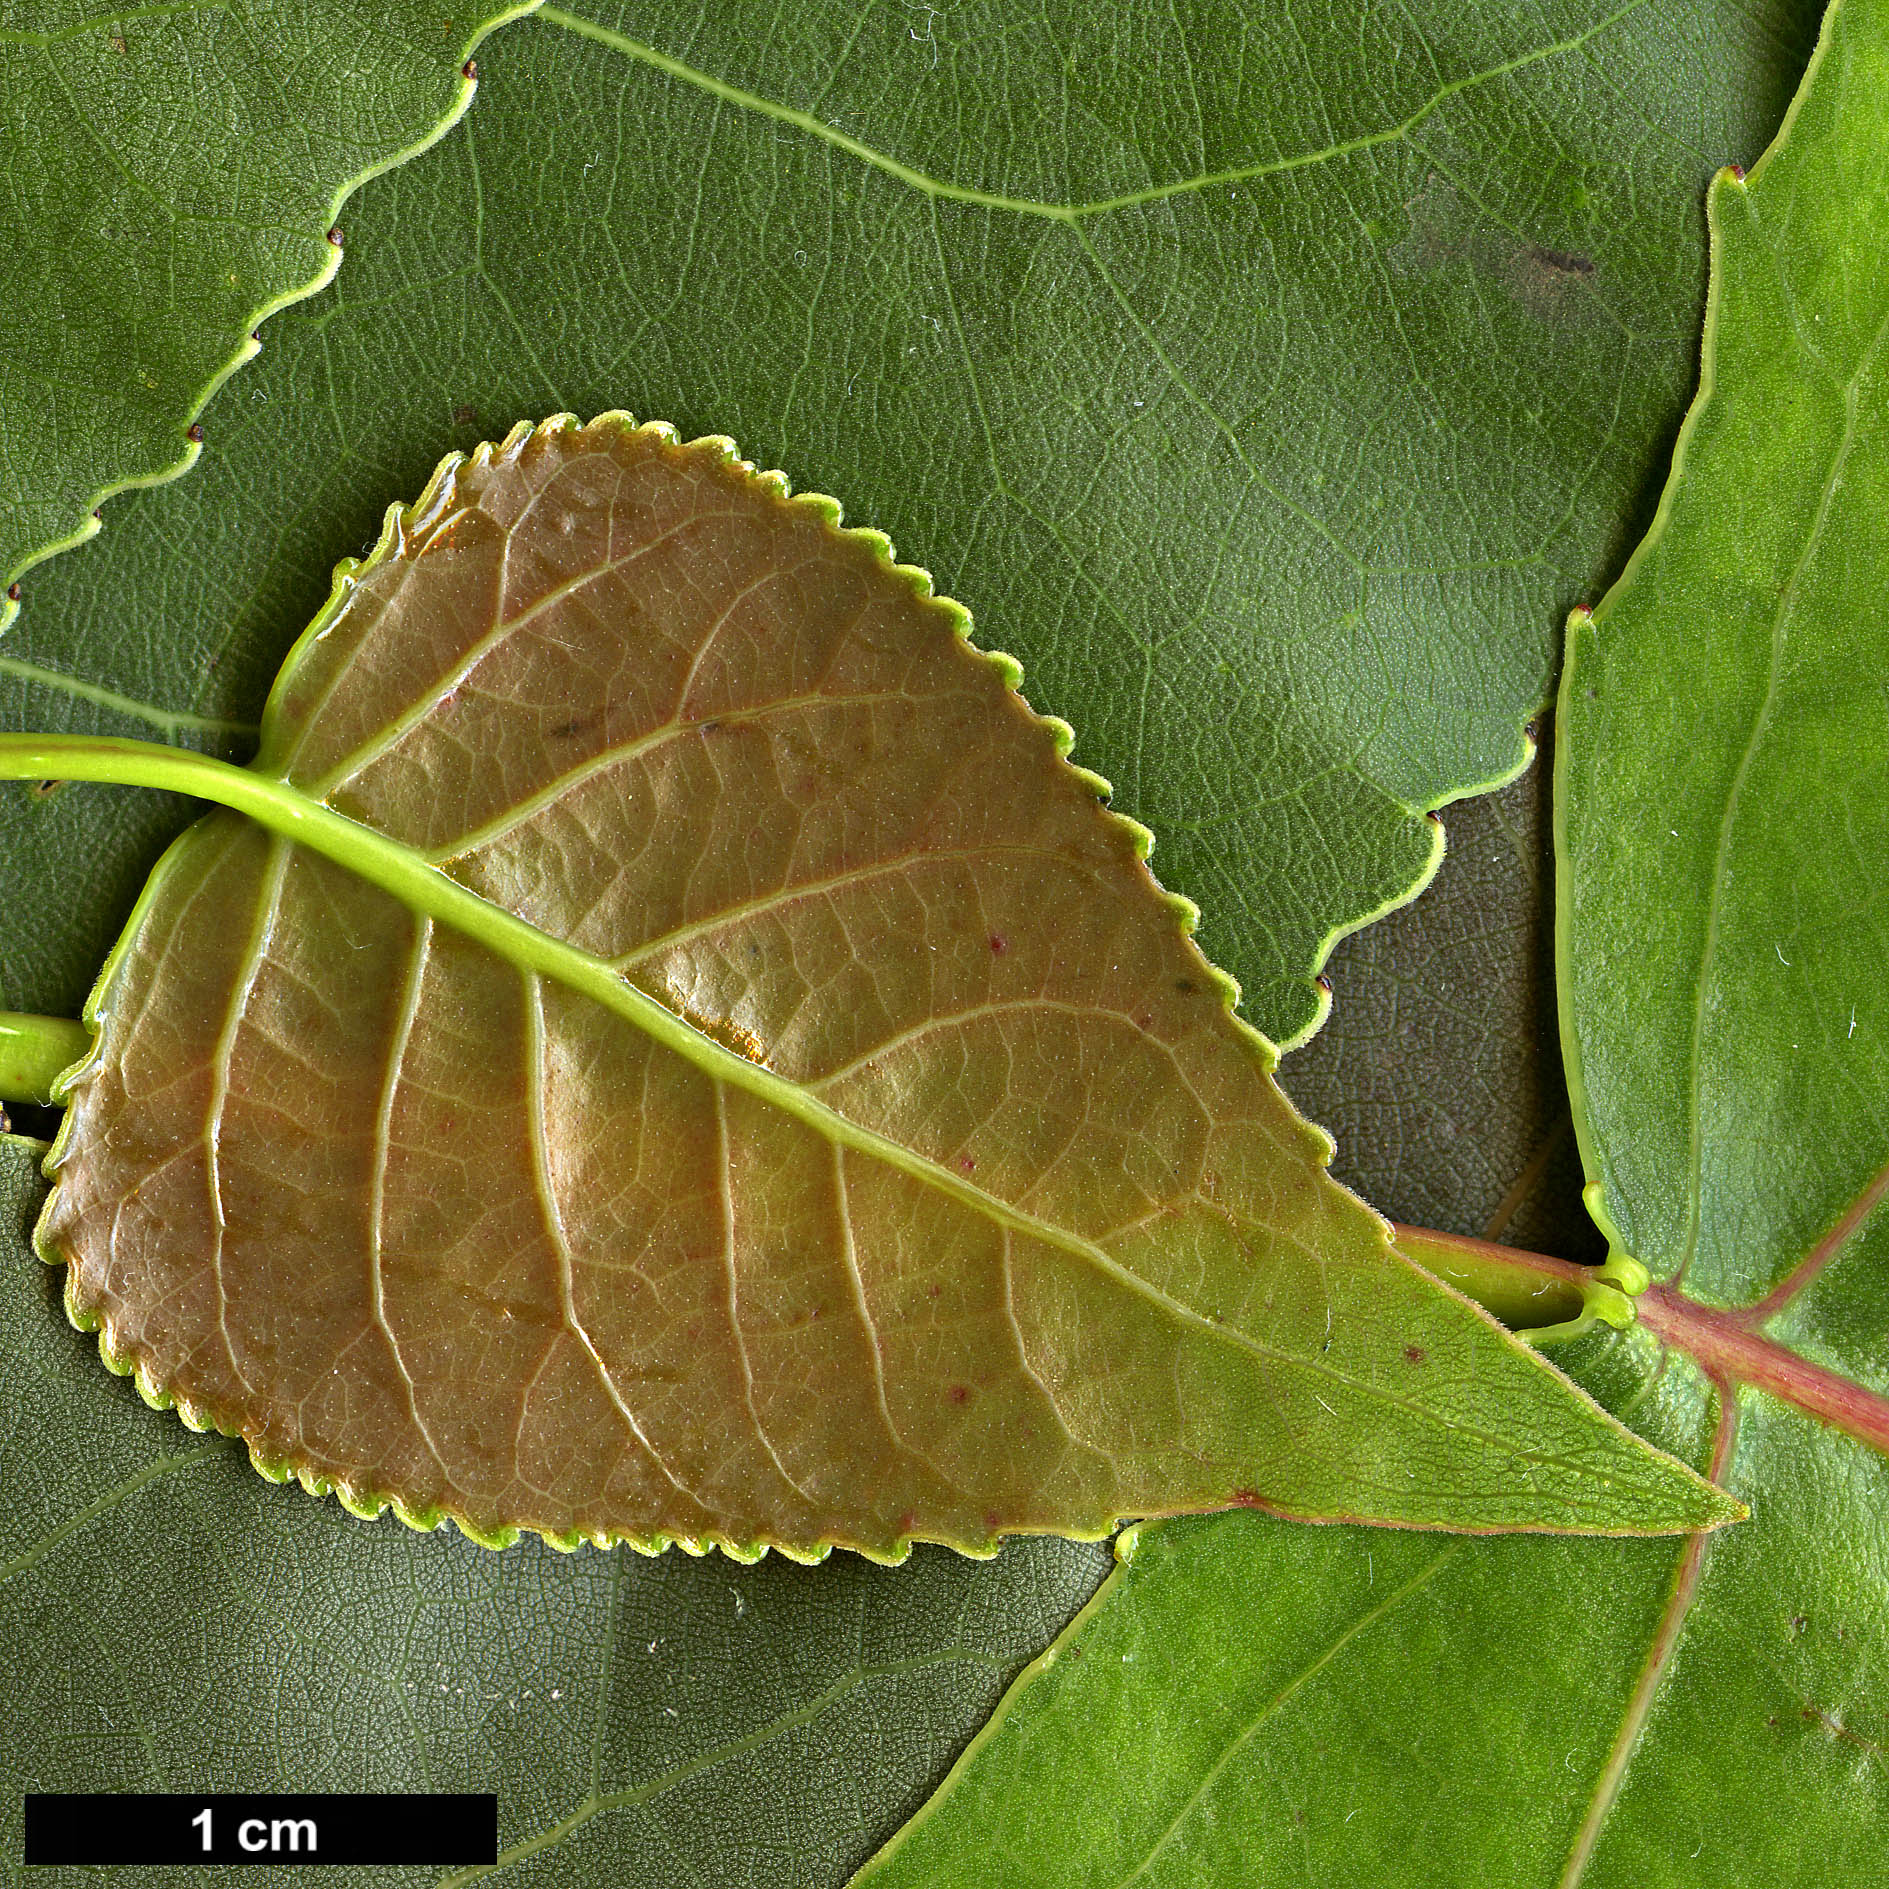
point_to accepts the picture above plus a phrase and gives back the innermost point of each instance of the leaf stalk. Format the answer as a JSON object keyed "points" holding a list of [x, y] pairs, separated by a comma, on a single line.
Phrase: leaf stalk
{"points": [[1545, 1299], [35, 1052]]}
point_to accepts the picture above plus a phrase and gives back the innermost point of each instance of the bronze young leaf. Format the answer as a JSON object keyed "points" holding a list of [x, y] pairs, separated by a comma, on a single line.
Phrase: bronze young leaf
{"points": [[848, 1146]]}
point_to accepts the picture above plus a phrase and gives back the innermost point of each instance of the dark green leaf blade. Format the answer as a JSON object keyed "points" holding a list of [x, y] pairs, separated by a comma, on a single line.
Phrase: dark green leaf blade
{"points": [[174, 174], [1706, 1717], [1262, 479]]}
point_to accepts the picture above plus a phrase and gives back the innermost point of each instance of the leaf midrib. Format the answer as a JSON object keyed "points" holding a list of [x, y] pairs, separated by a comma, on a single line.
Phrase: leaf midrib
{"points": [[400, 872], [1755, 742]]}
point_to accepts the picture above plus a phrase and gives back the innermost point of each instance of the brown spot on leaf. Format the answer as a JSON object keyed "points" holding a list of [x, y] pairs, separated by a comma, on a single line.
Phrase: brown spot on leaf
{"points": [[1415, 1353], [1447, 233], [1562, 261]]}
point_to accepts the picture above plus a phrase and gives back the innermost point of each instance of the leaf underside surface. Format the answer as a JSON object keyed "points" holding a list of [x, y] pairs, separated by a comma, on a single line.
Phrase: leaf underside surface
{"points": [[885, 1163], [173, 176], [1709, 1716]]}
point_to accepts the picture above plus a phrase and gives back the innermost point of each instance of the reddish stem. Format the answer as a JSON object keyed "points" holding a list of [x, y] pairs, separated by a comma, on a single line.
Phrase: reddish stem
{"points": [[1728, 1346], [1820, 1255], [1725, 1344]]}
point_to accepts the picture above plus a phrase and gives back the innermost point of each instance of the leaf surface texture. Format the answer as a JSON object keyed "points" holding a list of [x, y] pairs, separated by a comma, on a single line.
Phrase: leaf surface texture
{"points": [[174, 174], [645, 248], [1279, 485], [725, 1723]]}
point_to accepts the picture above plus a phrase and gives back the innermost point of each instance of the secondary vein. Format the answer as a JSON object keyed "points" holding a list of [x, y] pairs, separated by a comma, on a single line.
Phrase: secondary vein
{"points": [[169, 721], [794, 1720], [1277, 1702], [151, 1472], [938, 187], [1685, 1587]]}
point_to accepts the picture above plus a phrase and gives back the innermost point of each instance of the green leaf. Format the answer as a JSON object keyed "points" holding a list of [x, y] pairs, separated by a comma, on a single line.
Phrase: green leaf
{"points": [[173, 176], [851, 1147], [535, 262], [1721, 892], [1254, 1702], [1277, 483], [1711, 1717]]}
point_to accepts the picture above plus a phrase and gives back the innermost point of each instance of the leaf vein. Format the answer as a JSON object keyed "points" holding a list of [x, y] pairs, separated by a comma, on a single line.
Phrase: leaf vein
{"points": [[939, 188], [535, 1050]]}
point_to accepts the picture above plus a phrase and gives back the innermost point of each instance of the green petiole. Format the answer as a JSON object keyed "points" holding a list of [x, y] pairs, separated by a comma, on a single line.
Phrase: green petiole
{"points": [[1547, 1299], [35, 1052]]}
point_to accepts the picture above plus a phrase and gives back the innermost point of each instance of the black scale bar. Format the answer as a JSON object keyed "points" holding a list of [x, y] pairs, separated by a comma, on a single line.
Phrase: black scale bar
{"points": [[289, 1827]]}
